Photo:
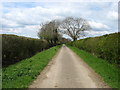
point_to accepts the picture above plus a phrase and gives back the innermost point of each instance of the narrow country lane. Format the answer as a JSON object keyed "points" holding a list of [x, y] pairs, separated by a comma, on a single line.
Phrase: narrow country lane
{"points": [[67, 70]]}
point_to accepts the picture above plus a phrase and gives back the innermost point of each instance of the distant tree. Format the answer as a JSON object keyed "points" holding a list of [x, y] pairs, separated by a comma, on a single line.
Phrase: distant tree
{"points": [[63, 40], [49, 31], [74, 27]]}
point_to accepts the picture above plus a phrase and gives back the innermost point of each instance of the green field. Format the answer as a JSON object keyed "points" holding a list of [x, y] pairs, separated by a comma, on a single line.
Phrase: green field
{"points": [[107, 71], [21, 74]]}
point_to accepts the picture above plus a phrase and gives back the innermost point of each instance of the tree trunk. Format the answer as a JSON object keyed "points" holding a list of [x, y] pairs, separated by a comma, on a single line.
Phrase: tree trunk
{"points": [[74, 39]]}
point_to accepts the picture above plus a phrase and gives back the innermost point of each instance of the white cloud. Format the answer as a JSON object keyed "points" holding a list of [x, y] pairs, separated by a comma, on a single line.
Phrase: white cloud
{"points": [[10, 30], [29, 31], [31, 27], [97, 33], [0, 31], [112, 15], [32, 16], [27, 20], [98, 25], [8, 23], [59, 1], [14, 31]]}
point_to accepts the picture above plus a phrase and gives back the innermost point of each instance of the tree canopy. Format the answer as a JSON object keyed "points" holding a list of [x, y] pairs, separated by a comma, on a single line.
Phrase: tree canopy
{"points": [[49, 31], [74, 27]]}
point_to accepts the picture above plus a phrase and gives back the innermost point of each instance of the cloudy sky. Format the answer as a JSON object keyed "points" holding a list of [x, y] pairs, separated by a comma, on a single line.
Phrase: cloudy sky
{"points": [[24, 18]]}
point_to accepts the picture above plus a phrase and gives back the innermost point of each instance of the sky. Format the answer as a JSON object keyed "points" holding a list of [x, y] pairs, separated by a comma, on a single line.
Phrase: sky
{"points": [[24, 18]]}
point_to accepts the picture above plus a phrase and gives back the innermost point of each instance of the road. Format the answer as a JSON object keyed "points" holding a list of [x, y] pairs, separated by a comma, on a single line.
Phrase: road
{"points": [[67, 70]]}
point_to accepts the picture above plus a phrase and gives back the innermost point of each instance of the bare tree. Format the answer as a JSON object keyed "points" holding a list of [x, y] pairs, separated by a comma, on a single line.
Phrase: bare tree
{"points": [[74, 27]]}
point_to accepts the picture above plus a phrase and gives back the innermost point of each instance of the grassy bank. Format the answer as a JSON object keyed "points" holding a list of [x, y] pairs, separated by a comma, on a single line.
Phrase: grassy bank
{"points": [[21, 74], [107, 71]]}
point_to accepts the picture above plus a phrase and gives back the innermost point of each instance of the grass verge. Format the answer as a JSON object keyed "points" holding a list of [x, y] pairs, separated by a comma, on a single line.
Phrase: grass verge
{"points": [[21, 74], [107, 71]]}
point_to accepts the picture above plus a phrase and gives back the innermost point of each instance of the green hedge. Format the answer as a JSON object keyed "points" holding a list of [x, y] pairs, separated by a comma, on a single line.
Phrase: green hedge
{"points": [[105, 47], [16, 48]]}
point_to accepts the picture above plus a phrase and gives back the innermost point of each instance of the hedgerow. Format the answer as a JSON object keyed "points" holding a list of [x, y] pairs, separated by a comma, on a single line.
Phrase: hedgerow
{"points": [[105, 47], [15, 48]]}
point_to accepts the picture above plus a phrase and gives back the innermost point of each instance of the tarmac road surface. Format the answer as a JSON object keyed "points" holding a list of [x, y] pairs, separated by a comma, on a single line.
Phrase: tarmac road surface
{"points": [[67, 70]]}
